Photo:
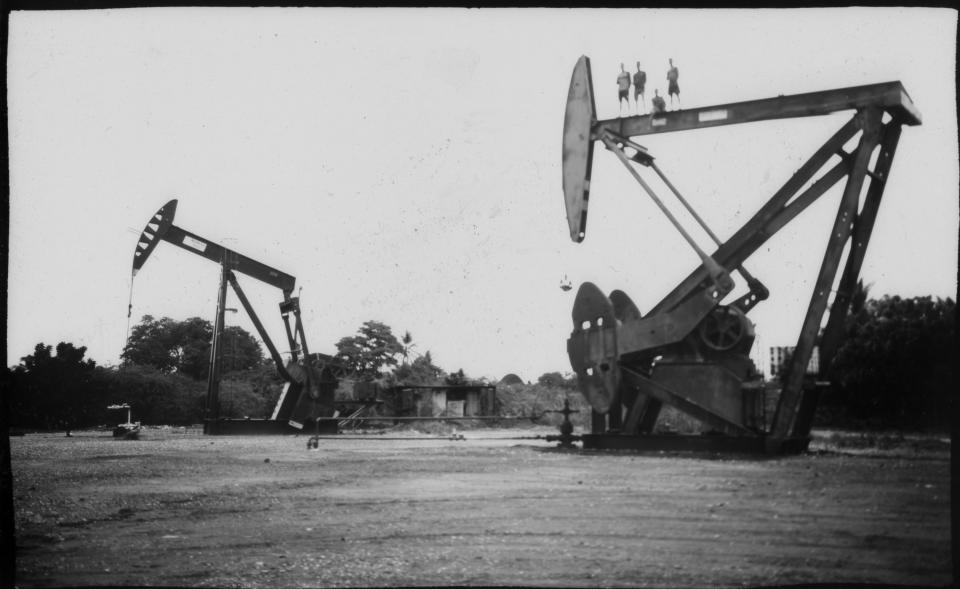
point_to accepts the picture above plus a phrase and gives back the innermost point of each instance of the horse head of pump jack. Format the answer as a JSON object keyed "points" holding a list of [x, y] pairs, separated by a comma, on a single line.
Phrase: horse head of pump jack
{"points": [[151, 235]]}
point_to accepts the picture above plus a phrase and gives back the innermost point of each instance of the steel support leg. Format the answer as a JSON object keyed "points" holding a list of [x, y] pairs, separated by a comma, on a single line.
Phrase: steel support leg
{"points": [[598, 422], [291, 339], [790, 397], [862, 229], [615, 415], [642, 415]]}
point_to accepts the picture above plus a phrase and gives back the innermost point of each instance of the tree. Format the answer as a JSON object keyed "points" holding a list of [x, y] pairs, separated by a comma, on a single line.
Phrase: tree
{"points": [[511, 380], [859, 297], [457, 378], [189, 343], [368, 353], [407, 342], [251, 393], [155, 397], [241, 351], [51, 391], [895, 367], [422, 371], [184, 346], [149, 344], [555, 379]]}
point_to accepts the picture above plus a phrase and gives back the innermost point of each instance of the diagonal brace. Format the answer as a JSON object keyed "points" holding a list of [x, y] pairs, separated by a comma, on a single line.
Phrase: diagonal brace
{"points": [[862, 229], [754, 233], [666, 395], [790, 397], [277, 359], [713, 268]]}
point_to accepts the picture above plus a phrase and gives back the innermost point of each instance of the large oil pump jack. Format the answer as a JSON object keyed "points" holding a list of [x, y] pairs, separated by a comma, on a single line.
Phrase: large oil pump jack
{"points": [[691, 350], [311, 379]]}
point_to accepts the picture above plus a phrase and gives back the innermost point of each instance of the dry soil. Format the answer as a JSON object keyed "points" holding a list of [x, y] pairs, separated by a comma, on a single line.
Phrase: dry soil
{"points": [[177, 508]]}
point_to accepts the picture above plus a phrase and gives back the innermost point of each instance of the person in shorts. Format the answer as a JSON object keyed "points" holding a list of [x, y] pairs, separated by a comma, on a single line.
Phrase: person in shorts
{"points": [[659, 104], [639, 83], [623, 88], [673, 87]]}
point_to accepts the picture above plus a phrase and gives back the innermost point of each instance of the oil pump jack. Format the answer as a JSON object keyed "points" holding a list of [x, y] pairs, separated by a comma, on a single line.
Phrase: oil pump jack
{"points": [[311, 379], [691, 350]]}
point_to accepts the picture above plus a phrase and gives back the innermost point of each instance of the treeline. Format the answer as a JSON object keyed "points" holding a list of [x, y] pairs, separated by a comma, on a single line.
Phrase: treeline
{"points": [[163, 375], [895, 369], [65, 391], [896, 366]]}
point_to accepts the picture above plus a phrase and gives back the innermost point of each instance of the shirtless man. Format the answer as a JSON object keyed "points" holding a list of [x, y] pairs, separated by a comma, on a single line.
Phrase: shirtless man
{"points": [[673, 74], [639, 83], [623, 88]]}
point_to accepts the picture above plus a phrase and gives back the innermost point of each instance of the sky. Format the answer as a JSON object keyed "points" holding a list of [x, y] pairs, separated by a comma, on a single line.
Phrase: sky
{"points": [[404, 166]]}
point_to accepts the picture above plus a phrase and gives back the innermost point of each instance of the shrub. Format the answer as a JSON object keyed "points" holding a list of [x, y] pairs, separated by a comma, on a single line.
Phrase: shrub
{"points": [[156, 398], [521, 399]]}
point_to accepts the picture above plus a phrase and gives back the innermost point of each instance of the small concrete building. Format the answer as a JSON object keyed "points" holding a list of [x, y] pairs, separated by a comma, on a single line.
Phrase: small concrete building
{"points": [[442, 400], [780, 354]]}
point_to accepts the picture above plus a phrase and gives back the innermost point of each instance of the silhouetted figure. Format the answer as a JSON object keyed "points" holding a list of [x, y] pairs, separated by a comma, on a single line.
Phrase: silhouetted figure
{"points": [[639, 84], [673, 76], [623, 88], [659, 104]]}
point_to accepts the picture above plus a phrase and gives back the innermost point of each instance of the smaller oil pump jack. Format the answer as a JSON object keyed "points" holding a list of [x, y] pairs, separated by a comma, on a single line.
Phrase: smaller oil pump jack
{"points": [[691, 350], [311, 379]]}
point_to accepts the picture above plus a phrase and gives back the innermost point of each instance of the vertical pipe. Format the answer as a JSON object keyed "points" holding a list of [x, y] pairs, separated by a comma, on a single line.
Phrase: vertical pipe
{"points": [[216, 357]]}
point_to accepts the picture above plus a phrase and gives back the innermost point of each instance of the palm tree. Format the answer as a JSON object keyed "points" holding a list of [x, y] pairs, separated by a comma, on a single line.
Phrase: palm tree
{"points": [[858, 298], [408, 345]]}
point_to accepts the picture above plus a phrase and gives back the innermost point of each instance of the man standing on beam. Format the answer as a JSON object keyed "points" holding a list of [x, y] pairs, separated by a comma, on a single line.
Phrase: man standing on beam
{"points": [[639, 84], [673, 75], [623, 88]]}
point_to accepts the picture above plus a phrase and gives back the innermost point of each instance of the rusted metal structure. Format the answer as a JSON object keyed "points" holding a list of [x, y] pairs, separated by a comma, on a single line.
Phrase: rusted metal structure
{"points": [[691, 350], [311, 379]]}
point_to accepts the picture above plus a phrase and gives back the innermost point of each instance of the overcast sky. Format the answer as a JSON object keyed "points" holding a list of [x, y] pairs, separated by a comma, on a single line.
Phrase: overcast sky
{"points": [[404, 165]]}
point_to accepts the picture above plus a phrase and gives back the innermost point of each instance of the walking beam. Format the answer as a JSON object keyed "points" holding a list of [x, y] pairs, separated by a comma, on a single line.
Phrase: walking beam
{"points": [[889, 96]]}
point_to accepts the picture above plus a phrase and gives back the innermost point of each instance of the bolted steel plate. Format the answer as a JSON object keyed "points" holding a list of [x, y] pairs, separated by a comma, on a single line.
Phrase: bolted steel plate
{"points": [[592, 347]]}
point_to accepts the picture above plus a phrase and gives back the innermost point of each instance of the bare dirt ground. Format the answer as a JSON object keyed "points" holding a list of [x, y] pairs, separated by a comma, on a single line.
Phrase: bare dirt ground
{"points": [[177, 508]]}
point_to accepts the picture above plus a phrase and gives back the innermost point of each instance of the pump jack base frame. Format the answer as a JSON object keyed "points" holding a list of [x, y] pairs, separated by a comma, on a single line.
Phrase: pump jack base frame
{"points": [[699, 444], [246, 427], [267, 427]]}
